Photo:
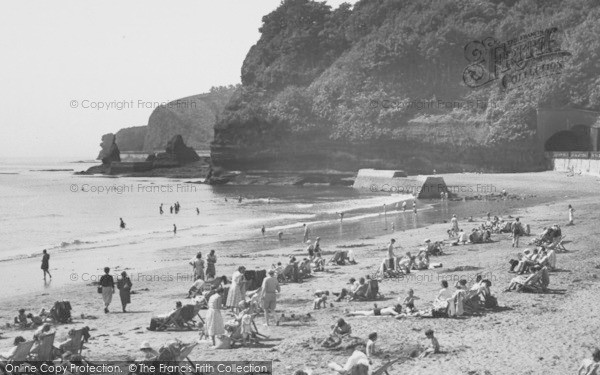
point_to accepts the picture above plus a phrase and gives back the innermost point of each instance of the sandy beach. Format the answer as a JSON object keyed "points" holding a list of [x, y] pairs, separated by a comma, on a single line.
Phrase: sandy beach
{"points": [[533, 334]]}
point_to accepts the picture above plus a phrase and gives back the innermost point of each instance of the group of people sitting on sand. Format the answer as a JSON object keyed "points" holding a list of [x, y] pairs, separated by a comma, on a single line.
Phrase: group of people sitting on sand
{"points": [[28, 320], [365, 289], [463, 300]]}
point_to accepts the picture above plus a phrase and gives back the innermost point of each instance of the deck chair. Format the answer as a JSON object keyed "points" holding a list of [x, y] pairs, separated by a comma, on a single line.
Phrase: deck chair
{"points": [[537, 282], [75, 345], [45, 350], [181, 319], [557, 244], [385, 367], [21, 353]]}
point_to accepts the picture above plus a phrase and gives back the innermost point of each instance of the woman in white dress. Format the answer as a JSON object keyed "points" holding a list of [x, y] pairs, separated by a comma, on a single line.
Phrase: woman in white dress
{"points": [[214, 320], [235, 291]]}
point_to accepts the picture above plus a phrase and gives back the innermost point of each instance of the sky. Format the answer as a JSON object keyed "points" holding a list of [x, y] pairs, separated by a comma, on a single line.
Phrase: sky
{"points": [[73, 70]]}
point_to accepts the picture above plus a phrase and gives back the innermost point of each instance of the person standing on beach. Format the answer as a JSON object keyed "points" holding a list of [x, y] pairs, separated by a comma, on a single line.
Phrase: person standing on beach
{"points": [[197, 211], [160, 209], [415, 207], [46, 264], [517, 230], [171, 209], [108, 288], [234, 296], [214, 319], [454, 222], [211, 259], [124, 285], [263, 230], [198, 264], [122, 224], [391, 256], [306, 232], [404, 206], [571, 210], [270, 288], [174, 229]]}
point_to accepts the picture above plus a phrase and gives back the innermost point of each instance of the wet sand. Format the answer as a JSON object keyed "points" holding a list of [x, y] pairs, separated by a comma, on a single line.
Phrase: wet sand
{"points": [[548, 333]]}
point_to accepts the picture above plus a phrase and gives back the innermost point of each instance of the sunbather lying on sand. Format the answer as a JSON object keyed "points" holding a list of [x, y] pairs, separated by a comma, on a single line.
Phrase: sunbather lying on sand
{"points": [[395, 310], [358, 363]]}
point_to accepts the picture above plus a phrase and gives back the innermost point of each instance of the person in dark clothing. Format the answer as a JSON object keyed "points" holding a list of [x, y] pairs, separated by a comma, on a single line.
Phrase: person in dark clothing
{"points": [[108, 288], [46, 264], [122, 224], [124, 285]]}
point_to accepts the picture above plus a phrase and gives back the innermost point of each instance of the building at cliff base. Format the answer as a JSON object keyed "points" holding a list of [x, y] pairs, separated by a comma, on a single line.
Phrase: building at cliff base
{"points": [[396, 181]]}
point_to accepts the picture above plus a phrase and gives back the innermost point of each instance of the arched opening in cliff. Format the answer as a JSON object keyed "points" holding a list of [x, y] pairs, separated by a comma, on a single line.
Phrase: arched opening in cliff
{"points": [[576, 139]]}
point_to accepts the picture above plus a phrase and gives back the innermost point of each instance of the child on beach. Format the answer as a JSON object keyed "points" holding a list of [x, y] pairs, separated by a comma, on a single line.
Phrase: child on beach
{"points": [[21, 319], [435, 345], [409, 301], [320, 299], [571, 210], [371, 350]]}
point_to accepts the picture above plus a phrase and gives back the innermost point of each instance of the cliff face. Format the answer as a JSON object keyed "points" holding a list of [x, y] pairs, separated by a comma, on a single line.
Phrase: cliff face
{"points": [[385, 85], [192, 117], [132, 139]]}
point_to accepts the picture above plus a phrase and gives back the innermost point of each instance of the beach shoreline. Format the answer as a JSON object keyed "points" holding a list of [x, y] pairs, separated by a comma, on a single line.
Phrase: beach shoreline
{"points": [[164, 277]]}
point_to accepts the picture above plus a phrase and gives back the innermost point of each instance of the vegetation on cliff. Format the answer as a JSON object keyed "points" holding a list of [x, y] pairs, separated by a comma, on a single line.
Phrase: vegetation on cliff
{"points": [[384, 84]]}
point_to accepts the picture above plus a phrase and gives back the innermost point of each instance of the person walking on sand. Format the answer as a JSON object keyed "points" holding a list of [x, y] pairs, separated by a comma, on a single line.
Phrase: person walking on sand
{"points": [[174, 229], [270, 288], [571, 210], [46, 264], [124, 285], [160, 209], [108, 288], [211, 259], [171, 209], [197, 211], [198, 264], [214, 319], [306, 232], [122, 224]]}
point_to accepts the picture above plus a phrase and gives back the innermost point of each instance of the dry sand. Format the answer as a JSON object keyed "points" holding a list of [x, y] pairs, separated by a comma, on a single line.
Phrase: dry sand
{"points": [[536, 333]]}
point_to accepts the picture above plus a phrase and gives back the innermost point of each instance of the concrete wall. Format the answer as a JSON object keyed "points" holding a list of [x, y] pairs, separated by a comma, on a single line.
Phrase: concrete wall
{"points": [[583, 166]]}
